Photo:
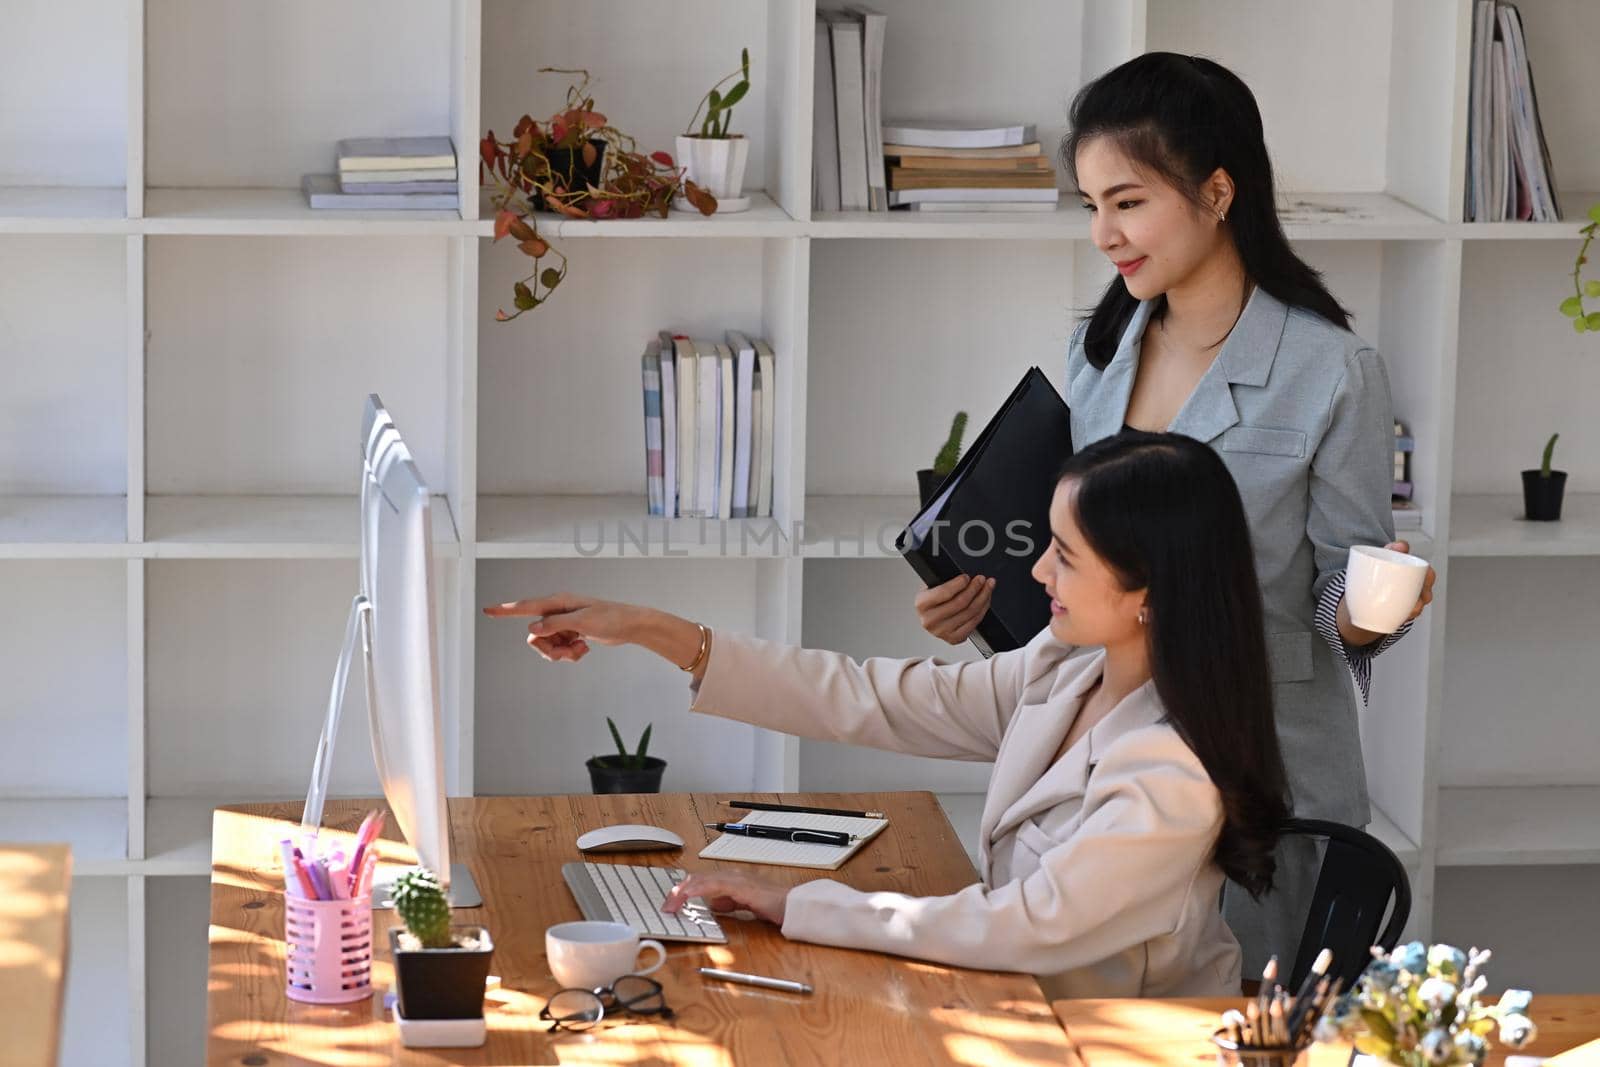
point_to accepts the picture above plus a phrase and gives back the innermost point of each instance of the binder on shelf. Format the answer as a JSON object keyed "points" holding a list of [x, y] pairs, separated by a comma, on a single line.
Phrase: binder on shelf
{"points": [[991, 516]]}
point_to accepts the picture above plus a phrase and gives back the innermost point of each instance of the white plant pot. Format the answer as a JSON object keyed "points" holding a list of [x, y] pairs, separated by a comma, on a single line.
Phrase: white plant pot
{"points": [[717, 164]]}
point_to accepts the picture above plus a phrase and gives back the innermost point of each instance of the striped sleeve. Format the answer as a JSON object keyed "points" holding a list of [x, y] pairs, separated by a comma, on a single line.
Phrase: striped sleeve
{"points": [[1357, 657]]}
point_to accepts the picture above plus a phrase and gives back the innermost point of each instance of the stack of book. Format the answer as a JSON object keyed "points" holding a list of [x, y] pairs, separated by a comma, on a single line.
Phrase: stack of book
{"points": [[388, 173], [1406, 514], [847, 162], [941, 166], [1508, 163], [709, 413]]}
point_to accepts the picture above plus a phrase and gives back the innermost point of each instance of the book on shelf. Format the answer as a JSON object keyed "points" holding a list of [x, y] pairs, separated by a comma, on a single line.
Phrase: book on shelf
{"points": [[346, 185], [688, 438], [873, 27], [963, 165], [322, 191], [1021, 151], [709, 421], [708, 410], [913, 196], [1509, 172], [1407, 516], [941, 134], [669, 423], [744, 356], [396, 153], [384, 179], [766, 366], [849, 98], [825, 125], [986, 206], [727, 406], [653, 458], [902, 178]]}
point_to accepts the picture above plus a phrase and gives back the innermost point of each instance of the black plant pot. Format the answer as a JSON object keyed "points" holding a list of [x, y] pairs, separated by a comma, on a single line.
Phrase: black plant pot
{"points": [[928, 485], [607, 775], [567, 167], [442, 983], [1541, 496]]}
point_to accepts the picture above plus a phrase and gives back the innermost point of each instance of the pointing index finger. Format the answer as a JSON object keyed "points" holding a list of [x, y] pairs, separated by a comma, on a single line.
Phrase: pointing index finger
{"points": [[539, 606]]}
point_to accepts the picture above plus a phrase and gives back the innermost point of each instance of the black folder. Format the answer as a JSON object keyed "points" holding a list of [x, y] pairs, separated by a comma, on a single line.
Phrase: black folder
{"points": [[993, 513]]}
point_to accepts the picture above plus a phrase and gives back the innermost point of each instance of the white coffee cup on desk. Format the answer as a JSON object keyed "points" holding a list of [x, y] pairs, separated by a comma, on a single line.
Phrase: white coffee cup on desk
{"points": [[1382, 586], [592, 955]]}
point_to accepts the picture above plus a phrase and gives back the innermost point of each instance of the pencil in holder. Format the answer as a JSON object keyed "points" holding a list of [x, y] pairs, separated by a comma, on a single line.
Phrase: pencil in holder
{"points": [[330, 949]]}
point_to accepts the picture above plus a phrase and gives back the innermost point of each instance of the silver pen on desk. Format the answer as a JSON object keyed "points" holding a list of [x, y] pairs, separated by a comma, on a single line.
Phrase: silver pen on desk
{"points": [[756, 980]]}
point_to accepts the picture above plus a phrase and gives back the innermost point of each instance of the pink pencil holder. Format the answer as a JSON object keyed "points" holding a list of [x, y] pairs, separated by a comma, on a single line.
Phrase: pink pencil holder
{"points": [[330, 949]]}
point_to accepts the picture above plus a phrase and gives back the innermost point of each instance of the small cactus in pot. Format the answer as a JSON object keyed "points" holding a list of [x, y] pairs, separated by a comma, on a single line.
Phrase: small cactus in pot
{"points": [[440, 970]]}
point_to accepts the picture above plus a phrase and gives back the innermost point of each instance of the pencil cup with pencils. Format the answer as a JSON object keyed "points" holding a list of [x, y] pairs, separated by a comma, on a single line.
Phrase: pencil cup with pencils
{"points": [[327, 918], [1275, 1028]]}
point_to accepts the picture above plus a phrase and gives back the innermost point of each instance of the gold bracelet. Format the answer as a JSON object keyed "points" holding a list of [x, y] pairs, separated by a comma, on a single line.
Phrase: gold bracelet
{"points": [[705, 645]]}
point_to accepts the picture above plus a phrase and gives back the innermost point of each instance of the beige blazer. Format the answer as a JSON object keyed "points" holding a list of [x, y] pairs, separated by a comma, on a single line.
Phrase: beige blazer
{"points": [[1097, 870]]}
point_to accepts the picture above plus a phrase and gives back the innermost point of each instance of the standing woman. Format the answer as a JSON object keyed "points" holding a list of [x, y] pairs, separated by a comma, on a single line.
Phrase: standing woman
{"points": [[1215, 329]]}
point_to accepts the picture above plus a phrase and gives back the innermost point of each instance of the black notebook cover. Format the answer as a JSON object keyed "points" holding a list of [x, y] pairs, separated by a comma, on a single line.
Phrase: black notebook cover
{"points": [[994, 512]]}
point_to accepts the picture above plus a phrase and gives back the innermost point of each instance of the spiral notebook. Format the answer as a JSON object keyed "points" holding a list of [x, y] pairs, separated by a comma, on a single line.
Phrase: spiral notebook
{"points": [[794, 853]]}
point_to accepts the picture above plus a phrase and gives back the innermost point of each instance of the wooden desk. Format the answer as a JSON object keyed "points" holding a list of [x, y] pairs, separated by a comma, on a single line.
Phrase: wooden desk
{"points": [[1163, 1033], [868, 1008], [35, 883]]}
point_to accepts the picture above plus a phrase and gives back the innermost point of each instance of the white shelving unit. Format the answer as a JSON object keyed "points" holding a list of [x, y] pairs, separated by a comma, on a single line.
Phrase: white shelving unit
{"points": [[187, 347]]}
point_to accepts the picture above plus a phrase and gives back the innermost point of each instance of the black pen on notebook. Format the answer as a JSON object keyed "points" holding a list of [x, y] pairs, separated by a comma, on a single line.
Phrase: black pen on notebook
{"points": [[784, 833], [753, 805]]}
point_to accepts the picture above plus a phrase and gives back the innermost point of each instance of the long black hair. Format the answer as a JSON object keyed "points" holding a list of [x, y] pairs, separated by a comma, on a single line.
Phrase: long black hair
{"points": [[1180, 118], [1164, 514]]}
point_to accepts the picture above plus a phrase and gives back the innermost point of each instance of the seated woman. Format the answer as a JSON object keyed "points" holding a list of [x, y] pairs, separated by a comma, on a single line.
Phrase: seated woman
{"points": [[1136, 765]]}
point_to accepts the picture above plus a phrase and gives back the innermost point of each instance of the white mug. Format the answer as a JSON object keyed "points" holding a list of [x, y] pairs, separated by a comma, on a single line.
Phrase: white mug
{"points": [[592, 955], [1382, 586]]}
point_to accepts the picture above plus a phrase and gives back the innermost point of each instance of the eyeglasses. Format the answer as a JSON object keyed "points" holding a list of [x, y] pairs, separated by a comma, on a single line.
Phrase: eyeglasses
{"points": [[579, 1009]]}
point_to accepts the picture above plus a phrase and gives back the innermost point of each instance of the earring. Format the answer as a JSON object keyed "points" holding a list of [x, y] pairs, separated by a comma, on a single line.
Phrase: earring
{"points": [[1222, 216], [1144, 616]]}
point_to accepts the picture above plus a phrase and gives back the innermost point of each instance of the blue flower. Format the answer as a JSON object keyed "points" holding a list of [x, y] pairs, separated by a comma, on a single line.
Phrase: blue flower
{"points": [[1412, 958]]}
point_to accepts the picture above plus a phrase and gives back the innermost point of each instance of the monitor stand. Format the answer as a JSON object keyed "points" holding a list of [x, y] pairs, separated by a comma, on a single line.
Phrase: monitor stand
{"points": [[463, 892]]}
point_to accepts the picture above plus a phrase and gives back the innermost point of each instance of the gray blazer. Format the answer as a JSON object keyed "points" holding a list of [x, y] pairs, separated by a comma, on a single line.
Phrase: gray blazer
{"points": [[1299, 411]]}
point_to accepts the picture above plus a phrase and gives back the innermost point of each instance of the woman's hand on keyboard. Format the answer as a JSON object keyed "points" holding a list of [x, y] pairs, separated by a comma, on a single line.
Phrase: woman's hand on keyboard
{"points": [[730, 891]]}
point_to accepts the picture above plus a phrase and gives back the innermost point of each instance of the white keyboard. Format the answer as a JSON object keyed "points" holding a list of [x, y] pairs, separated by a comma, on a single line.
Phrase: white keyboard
{"points": [[615, 892]]}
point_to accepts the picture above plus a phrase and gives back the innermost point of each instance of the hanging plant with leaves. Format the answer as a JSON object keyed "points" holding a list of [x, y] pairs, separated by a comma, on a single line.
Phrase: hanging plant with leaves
{"points": [[1584, 320], [577, 165]]}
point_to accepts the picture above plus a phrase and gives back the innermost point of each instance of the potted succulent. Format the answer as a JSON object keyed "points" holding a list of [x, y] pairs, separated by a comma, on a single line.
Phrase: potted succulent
{"points": [[1420, 1007], [1542, 489], [929, 478], [625, 772], [713, 158], [439, 969], [579, 166]]}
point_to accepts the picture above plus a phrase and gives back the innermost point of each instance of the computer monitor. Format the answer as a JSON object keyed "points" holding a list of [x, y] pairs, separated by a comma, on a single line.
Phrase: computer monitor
{"points": [[394, 618]]}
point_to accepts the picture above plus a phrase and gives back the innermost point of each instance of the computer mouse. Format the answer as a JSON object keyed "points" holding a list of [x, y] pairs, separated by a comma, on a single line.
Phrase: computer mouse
{"points": [[628, 837]]}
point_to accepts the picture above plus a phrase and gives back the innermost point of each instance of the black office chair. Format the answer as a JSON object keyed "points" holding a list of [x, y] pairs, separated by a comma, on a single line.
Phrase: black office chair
{"points": [[1359, 877]]}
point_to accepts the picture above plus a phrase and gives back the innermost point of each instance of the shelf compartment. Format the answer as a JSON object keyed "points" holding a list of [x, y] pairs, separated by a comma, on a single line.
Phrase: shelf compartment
{"points": [[283, 213], [57, 527], [1518, 826], [62, 209], [1491, 524], [96, 828], [537, 722], [614, 527], [64, 654], [263, 351], [269, 527]]}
